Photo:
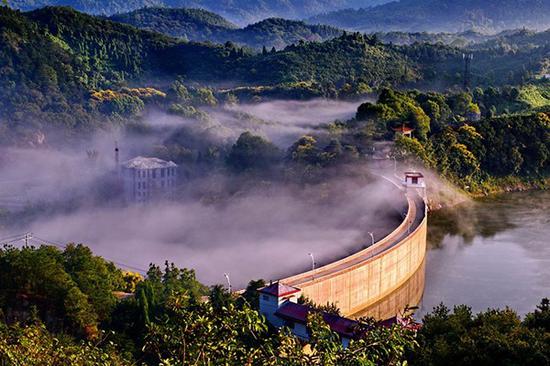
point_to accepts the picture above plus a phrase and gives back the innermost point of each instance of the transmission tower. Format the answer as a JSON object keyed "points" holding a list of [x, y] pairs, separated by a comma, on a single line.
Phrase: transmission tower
{"points": [[467, 57]]}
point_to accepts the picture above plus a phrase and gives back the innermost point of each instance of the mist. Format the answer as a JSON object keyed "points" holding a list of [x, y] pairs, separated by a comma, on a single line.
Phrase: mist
{"points": [[284, 121], [218, 222], [264, 233]]}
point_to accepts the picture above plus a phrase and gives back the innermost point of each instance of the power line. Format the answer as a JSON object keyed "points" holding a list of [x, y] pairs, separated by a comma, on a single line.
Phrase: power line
{"points": [[30, 239]]}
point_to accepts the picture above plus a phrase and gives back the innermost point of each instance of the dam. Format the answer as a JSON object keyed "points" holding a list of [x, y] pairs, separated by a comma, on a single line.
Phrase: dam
{"points": [[381, 280]]}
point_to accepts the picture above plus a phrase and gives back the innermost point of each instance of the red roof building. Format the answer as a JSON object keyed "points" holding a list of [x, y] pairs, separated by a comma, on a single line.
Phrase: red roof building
{"points": [[278, 289], [279, 304], [403, 130], [298, 313]]}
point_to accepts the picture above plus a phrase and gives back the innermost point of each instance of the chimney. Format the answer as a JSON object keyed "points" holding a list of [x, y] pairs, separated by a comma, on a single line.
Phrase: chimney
{"points": [[117, 158]]}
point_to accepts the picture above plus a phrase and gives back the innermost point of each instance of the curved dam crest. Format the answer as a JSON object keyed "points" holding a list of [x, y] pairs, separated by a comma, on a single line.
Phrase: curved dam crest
{"points": [[378, 281]]}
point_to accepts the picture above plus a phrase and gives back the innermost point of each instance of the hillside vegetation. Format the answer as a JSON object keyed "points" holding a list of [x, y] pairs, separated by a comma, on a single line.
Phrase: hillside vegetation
{"points": [[442, 16], [59, 308], [239, 11], [56, 59], [201, 25]]}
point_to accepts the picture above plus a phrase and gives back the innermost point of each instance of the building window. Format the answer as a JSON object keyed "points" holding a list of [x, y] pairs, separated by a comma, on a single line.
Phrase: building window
{"points": [[162, 173]]}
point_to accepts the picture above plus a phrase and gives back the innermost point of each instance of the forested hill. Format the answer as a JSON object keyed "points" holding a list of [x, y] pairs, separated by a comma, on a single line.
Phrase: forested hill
{"points": [[54, 60], [107, 53], [192, 24], [239, 11], [443, 16], [201, 25]]}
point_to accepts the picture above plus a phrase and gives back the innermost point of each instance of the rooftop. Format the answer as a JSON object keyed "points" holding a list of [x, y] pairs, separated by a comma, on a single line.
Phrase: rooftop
{"points": [[343, 326], [298, 313], [141, 162], [278, 289], [414, 174], [403, 129]]}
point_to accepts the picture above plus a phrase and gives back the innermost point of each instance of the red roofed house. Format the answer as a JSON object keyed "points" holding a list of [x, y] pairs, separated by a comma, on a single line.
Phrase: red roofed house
{"points": [[295, 317], [272, 297], [279, 304], [403, 130]]}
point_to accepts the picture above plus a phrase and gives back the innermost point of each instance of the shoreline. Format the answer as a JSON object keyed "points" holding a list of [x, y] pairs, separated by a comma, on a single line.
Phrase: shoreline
{"points": [[447, 195]]}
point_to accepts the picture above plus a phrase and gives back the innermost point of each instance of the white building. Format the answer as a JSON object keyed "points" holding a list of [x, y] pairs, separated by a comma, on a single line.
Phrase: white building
{"points": [[414, 180], [147, 178]]}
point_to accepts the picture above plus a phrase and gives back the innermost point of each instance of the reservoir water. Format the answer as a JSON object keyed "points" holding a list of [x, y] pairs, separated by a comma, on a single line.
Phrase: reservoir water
{"points": [[490, 253]]}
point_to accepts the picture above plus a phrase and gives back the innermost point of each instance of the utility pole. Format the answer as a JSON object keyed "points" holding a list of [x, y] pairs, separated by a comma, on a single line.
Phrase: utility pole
{"points": [[28, 236], [226, 275], [312, 261], [467, 57], [371, 237]]}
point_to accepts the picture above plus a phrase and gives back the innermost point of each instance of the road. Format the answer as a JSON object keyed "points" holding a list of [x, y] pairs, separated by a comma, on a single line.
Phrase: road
{"points": [[415, 216]]}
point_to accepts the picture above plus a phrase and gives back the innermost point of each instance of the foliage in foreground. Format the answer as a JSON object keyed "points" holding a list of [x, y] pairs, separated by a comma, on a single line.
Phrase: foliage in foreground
{"points": [[493, 337], [33, 345], [168, 322]]}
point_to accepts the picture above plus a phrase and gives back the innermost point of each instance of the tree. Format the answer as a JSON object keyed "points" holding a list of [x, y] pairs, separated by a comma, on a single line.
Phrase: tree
{"points": [[493, 337], [407, 148], [540, 318], [39, 275], [463, 162], [206, 335], [251, 295], [94, 278], [305, 150], [34, 345], [252, 153]]}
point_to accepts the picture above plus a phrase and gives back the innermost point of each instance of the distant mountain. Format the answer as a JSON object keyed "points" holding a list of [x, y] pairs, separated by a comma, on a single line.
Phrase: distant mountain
{"points": [[70, 71], [239, 11], [201, 25], [443, 16], [192, 24]]}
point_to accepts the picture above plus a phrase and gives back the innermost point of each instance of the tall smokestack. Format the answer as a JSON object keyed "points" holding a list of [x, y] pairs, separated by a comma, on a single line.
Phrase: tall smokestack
{"points": [[117, 153]]}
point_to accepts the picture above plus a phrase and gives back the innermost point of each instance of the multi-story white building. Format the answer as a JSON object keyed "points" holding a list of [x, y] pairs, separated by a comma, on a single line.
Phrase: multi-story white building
{"points": [[147, 178]]}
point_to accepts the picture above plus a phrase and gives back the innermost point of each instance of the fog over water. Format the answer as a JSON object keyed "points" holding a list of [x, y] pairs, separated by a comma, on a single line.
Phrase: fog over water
{"points": [[218, 223]]}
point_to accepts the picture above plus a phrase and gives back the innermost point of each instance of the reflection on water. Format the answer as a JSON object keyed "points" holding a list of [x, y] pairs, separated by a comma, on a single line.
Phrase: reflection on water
{"points": [[407, 295], [490, 253]]}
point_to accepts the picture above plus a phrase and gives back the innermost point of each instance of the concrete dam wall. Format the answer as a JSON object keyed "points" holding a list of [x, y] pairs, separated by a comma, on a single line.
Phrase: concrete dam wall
{"points": [[380, 280]]}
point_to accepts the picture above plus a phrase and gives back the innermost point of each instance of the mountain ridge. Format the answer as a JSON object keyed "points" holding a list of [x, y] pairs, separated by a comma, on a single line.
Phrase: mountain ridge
{"points": [[238, 11], [442, 16], [201, 25]]}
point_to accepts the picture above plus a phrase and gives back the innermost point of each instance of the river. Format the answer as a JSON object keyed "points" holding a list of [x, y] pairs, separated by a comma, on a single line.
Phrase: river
{"points": [[490, 253]]}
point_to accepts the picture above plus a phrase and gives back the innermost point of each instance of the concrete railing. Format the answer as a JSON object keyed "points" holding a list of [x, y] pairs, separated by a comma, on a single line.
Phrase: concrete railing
{"points": [[365, 278]]}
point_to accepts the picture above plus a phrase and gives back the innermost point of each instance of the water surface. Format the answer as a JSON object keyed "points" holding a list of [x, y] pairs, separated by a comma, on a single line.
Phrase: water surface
{"points": [[490, 253]]}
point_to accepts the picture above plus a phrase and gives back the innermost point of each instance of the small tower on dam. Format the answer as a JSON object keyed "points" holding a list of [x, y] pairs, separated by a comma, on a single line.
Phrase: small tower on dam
{"points": [[415, 180]]}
